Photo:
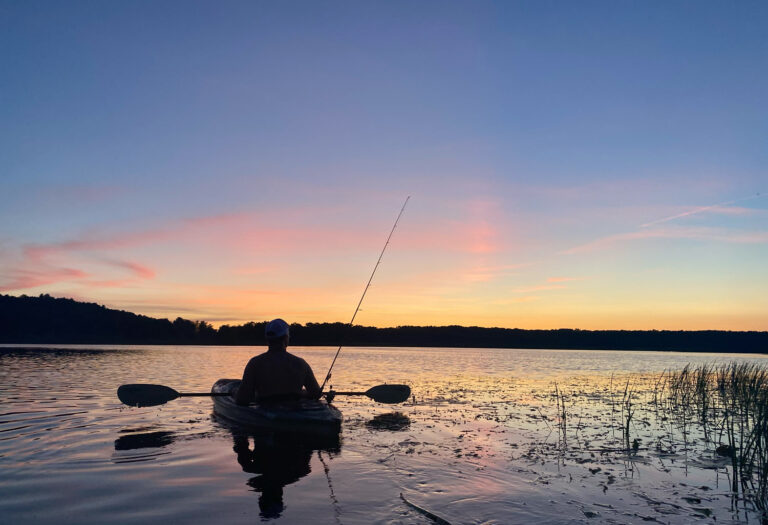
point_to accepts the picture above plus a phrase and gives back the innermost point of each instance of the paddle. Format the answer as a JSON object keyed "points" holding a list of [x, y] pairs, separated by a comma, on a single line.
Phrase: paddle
{"points": [[147, 395], [382, 393]]}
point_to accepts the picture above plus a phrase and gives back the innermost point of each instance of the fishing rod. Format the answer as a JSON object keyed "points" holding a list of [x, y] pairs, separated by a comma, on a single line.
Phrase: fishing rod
{"points": [[346, 330]]}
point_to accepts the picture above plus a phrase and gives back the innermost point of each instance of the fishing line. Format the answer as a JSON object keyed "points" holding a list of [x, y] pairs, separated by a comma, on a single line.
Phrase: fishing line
{"points": [[334, 500], [346, 330]]}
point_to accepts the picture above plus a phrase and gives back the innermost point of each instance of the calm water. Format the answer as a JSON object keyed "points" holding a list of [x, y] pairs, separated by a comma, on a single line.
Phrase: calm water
{"points": [[463, 448]]}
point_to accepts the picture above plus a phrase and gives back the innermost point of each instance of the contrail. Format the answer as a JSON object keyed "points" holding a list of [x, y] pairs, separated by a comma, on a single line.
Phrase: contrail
{"points": [[700, 209]]}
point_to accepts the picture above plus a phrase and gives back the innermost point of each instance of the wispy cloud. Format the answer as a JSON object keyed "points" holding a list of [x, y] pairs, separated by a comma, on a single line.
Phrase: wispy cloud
{"points": [[23, 279], [129, 239], [563, 279], [47, 264], [722, 207], [706, 234], [245, 234], [38, 272], [137, 273], [137, 269]]}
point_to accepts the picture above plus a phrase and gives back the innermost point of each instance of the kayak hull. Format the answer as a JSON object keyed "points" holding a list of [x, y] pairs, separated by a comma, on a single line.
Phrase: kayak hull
{"points": [[304, 415]]}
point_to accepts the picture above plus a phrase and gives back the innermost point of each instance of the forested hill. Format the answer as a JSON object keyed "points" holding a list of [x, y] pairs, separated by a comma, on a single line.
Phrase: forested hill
{"points": [[45, 319]]}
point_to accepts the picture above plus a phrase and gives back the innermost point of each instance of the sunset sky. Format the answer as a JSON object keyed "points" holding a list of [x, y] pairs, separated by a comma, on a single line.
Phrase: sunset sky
{"points": [[570, 164]]}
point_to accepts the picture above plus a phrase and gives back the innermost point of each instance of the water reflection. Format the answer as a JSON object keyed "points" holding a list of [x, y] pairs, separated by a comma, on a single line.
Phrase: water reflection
{"points": [[157, 439], [391, 421], [278, 459], [149, 444]]}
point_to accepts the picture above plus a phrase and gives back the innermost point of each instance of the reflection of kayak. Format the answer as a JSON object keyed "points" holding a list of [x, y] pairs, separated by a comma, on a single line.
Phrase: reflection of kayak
{"points": [[301, 414]]}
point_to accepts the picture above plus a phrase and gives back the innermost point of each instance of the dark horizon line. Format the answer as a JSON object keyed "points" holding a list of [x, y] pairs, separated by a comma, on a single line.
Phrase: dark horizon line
{"points": [[394, 327], [48, 320]]}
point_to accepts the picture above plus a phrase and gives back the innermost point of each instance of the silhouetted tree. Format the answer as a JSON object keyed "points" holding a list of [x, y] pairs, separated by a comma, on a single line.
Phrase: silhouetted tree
{"points": [[46, 319]]}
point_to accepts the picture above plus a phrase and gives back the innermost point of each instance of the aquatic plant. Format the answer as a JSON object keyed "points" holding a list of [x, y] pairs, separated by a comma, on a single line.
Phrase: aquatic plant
{"points": [[729, 402], [627, 413], [562, 416], [719, 410]]}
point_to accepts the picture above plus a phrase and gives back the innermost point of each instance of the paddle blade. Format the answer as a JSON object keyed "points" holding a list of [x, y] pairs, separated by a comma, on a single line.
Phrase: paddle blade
{"points": [[138, 395], [389, 393]]}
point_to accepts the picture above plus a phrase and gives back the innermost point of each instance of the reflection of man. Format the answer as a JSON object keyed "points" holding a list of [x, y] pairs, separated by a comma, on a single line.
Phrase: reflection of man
{"points": [[278, 464], [279, 459], [277, 374]]}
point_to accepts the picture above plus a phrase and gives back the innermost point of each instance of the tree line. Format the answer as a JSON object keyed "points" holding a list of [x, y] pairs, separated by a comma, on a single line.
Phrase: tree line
{"points": [[48, 320]]}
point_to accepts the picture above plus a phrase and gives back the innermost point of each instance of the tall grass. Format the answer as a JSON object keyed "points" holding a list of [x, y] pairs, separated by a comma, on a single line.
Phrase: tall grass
{"points": [[723, 406], [730, 403]]}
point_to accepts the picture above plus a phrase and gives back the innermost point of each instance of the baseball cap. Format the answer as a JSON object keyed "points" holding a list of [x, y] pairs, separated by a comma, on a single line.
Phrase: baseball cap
{"points": [[276, 328]]}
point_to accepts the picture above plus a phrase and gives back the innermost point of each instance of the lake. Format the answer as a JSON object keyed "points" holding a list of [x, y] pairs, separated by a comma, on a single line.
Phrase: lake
{"points": [[480, 442]]}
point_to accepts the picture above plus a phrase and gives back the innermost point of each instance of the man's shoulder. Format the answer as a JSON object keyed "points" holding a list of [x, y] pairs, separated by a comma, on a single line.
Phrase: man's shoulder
{"points": [[296, 359], [257, 359]]}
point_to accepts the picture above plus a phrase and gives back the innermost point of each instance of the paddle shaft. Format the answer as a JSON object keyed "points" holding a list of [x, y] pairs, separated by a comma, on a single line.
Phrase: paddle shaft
{"points": [[201, 394], [349, 393], [214, 394]]}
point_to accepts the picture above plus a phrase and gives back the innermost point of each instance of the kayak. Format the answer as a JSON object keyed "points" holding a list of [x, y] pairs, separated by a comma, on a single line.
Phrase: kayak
{"points": [[301, 414]]}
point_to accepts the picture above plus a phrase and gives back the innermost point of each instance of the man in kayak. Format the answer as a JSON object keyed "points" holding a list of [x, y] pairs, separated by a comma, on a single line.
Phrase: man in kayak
{"points": [[277, 374]]}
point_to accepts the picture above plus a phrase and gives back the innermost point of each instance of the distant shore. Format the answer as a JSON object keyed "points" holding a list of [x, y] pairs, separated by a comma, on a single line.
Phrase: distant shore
{"points": [[48, 320]]}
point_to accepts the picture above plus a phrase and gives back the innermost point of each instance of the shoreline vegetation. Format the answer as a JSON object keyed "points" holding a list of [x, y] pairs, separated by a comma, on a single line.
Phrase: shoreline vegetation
{"points": [[45, 319], [709, 416]]}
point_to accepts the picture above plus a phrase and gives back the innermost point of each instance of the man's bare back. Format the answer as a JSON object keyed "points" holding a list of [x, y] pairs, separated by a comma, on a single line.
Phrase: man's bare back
{"points": [[277, 373]]}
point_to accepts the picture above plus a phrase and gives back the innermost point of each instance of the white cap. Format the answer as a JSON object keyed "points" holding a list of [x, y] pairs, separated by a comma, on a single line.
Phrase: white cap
{"points": [[276, 328]]}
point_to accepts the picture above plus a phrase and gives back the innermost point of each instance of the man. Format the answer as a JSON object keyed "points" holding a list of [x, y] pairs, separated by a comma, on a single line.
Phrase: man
{"points": [[276, 374]]}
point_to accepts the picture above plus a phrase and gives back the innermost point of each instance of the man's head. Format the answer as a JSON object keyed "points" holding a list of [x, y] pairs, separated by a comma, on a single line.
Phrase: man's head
{"points": [[277, 334]]}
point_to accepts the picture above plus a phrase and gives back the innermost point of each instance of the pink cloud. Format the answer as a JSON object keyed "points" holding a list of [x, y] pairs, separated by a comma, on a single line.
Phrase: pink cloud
{"points": [[480, 237], [49, 263], [140, 271], [173, 230], [297, 232], [252, 235], [475, 226], [39, 273], [37, 269], [23, 279], [44, 264], [481, 228]]}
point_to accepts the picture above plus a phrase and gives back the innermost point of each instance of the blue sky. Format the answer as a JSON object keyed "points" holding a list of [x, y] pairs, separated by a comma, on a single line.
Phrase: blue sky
{"points": [[537, 138]]}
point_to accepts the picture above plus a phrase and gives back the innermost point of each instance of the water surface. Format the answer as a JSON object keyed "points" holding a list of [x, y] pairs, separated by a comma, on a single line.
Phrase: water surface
{"points": [[476, 444]]}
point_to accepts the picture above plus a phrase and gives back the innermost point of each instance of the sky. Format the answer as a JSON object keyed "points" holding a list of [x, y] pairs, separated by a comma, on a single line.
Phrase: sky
{"points": [[593, 165]]}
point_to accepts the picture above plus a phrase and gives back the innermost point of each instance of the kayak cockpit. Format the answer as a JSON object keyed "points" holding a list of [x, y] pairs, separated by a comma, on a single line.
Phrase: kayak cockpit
{"points": [[286, 414]]}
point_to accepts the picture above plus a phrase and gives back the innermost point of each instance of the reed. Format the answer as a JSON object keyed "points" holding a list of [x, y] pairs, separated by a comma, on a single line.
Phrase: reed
{"points": [[627, 413], [730, 404], [562, 416], [720, 407]]}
